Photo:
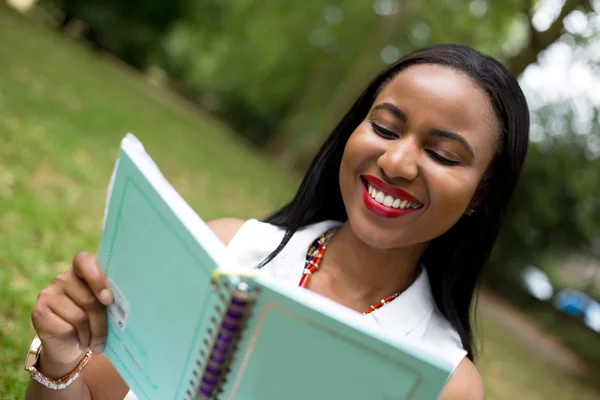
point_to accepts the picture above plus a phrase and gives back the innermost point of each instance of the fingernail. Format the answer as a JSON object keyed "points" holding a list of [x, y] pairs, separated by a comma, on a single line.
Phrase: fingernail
{"points": [[105, 296], [98, 349]]}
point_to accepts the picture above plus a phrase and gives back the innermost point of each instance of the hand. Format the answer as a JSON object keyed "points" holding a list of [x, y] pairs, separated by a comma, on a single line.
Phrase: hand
{"points": [[70, 314]]}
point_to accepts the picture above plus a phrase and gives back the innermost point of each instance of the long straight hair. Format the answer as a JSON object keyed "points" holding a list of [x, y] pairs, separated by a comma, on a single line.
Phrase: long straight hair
{"points": [[454, 260]]}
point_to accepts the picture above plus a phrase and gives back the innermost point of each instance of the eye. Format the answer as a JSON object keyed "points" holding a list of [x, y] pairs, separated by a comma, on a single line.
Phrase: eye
{"points": [[381, 131], [440, 159]]}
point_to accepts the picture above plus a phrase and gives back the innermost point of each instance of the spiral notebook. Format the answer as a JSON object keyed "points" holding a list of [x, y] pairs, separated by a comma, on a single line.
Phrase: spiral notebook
{"points": [[187, 323]]}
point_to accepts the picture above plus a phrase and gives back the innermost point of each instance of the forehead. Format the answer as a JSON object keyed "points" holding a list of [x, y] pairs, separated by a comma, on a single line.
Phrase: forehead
{"points": [[444, 98], [442, 88]]}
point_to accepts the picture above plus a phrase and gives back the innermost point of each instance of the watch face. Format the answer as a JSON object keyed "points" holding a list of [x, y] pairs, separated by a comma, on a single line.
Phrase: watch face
{"points": [[33, 354]]}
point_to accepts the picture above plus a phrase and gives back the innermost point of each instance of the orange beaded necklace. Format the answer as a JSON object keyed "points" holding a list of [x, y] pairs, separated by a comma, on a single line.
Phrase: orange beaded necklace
{"points": [[315, 255]]}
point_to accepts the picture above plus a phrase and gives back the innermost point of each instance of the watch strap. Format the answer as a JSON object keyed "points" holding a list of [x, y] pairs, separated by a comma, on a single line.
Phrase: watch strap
{"points": [[54, 384]]}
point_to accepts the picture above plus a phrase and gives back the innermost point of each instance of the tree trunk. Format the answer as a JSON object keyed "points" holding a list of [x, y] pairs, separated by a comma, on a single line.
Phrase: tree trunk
{"points": [[539, 41]]}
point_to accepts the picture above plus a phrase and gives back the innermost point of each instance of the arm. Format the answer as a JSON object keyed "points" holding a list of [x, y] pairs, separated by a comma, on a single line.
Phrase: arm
{"points": [[225, 228], [70, 318], [76, 391], [464, 384], [100, 380]]}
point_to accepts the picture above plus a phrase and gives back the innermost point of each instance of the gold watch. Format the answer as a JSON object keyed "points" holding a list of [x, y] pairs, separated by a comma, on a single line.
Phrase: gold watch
{"points": [[55, 384]]}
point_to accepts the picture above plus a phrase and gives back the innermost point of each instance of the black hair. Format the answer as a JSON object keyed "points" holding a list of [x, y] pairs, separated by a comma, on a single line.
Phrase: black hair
{"points": [[455, 260]]}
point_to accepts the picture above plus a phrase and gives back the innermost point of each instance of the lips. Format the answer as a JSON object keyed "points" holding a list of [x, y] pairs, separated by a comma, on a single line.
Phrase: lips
{"points": [[382, 210], [391, 190]]}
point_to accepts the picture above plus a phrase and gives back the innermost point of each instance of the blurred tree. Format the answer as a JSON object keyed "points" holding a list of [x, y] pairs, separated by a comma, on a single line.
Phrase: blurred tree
{"points": [[503, 29], [252, 65], [303, 63], [132, 29], [556, 208]]}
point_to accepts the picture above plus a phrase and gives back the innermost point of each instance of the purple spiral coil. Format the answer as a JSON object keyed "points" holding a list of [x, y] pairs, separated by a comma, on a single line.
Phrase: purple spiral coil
{"points": [[222, 344]]}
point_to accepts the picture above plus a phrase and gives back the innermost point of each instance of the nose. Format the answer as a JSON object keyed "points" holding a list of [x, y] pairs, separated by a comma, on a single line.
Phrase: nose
{"points": [[400, 159]]}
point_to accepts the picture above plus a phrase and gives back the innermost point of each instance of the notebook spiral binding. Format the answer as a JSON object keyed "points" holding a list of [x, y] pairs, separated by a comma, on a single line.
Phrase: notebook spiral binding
{"points": [[237, 297]]}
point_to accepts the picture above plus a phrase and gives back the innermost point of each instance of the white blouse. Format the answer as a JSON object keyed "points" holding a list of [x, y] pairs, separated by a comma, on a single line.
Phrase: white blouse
{"points": [[412, 315]]}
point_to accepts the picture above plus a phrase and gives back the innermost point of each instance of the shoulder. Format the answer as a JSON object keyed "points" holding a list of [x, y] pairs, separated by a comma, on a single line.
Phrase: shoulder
{"points": [[438, 332], [225, 228], [464, 384]]}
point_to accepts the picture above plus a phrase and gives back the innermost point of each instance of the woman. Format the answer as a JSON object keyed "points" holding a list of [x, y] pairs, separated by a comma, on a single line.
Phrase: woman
{"points": [[407, 196]]}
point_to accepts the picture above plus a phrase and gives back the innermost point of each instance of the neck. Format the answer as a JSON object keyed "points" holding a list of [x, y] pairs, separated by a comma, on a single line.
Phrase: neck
{"points": [[365, 274]]}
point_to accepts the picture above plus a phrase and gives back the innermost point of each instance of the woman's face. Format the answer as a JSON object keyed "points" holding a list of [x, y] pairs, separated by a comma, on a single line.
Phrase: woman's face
{"points": [[410, 170]]}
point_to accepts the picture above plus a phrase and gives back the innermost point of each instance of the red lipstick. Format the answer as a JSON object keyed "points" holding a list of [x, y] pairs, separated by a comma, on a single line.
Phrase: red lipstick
{"points": [[389, 189], [380, 209]]}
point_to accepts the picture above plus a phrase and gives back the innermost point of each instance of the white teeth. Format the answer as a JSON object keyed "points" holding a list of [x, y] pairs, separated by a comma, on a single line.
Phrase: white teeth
{"points": [[389, 201]]}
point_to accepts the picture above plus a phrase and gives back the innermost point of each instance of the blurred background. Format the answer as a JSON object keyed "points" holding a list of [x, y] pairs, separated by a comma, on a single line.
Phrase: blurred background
{"points": [[232, 98]]}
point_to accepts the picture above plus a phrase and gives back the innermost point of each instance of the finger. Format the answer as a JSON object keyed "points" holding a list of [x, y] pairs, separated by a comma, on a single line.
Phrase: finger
{"points": [[98, 322], [48, 324], [77, 290], [71, 313], [82, 295], [86, 268]]}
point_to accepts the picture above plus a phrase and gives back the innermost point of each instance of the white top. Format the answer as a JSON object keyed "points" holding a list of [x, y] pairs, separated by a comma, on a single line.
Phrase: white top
{"points": [[412, 315]]}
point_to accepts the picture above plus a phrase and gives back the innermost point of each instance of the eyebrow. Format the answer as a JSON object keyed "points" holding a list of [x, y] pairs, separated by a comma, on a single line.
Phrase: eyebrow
{"points": [[393, 109], [453, 136], [436, 132]]}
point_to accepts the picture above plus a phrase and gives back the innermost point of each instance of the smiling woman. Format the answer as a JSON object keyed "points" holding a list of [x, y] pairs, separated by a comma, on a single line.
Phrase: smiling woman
{"points": [[419, 172], [395, 218], [430, 133]]}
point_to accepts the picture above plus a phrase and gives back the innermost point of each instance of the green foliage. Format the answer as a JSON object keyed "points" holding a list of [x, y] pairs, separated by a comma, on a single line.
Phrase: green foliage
{"points": [[132, 29], [556, 207], [287, 67], [255, 59], [284, 68]]}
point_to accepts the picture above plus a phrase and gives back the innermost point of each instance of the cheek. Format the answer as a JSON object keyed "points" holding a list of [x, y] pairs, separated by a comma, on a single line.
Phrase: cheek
{"points": [[356, 153], [362, 145], [359, 153], [451, 192], [347, 167]]}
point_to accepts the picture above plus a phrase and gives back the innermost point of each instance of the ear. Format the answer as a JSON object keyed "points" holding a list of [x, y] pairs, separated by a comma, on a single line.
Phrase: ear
{"points": [[480, 195]]}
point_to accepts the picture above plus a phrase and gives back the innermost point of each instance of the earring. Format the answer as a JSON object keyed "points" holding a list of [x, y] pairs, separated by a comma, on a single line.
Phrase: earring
{"points": [[470, 212]]}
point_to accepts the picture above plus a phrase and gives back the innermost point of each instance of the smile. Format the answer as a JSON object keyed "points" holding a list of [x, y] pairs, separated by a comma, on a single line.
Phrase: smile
{"points": [[385, 200], [388, 200]]}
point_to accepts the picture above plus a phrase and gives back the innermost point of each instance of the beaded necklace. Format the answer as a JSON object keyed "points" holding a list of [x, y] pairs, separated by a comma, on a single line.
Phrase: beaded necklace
{"points": [[315, 255]]}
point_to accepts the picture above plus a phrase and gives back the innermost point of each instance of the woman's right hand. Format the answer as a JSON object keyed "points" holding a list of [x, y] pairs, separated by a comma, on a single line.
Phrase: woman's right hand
{"points": [[70, 314]]}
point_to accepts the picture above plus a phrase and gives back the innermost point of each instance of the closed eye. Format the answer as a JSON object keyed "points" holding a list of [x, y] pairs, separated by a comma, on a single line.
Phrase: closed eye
{"points": [[385, 133], [442, 160]]}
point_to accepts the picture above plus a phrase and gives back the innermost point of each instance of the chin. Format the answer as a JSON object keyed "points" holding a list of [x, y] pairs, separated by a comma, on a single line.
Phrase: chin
{"points": [[378, 237]]}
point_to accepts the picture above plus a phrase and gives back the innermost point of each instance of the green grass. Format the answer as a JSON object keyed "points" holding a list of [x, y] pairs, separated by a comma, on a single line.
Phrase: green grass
{"points": [[512, 370], [63, 111]]}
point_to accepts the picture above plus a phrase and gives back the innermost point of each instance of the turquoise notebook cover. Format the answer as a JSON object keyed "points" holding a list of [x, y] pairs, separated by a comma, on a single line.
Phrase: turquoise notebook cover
{"points": [[299, 345], [160, 257], [151, 252]]}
